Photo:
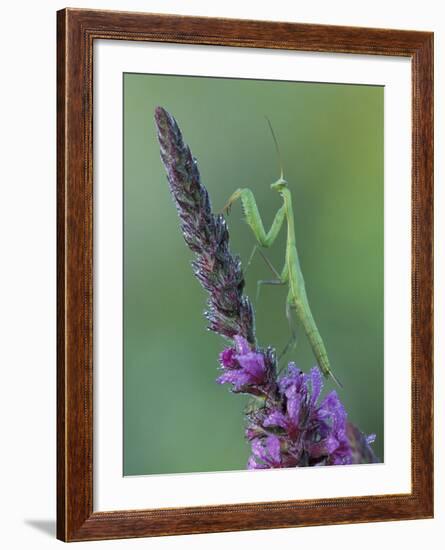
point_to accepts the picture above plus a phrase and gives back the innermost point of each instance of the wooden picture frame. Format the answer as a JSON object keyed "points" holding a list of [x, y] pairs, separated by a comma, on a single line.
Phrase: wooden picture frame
{"points": [[76, 32]]}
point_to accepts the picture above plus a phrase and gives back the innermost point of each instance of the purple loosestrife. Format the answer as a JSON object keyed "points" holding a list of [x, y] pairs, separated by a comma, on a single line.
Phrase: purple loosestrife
{"points": [[288, 426], [312, 433]]}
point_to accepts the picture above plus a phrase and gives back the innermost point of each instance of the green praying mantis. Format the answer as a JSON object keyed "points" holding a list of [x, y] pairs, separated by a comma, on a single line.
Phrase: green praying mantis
{"points": [[291, 273]]}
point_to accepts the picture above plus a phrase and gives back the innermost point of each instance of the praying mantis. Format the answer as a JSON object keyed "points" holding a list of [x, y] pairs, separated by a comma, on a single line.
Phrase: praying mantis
{"points": [[291, 273]]}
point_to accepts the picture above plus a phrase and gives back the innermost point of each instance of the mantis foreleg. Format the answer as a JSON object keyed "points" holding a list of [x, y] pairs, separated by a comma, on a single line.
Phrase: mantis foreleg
{"points": [[253, 217]]}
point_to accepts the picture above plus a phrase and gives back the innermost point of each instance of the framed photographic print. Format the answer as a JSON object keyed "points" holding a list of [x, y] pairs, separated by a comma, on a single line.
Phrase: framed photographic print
{"points": [[245, 226]]}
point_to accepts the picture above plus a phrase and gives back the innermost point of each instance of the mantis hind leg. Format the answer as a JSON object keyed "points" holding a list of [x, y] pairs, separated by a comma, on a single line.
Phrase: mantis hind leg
{"points": [[279, 281], [249, 261], [293, 333], [256, 249], [260, 283]]}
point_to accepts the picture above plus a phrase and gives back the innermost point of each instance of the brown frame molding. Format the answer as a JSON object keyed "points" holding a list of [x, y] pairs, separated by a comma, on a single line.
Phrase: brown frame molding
{"points": [[76, 31]]}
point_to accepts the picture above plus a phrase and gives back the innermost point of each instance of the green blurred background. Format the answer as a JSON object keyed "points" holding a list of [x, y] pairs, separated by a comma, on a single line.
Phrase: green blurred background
{"points": [[176, 418]]}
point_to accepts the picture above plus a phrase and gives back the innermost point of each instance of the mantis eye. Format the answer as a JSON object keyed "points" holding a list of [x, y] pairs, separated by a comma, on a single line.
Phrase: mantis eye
{"points": [[279, 184]]}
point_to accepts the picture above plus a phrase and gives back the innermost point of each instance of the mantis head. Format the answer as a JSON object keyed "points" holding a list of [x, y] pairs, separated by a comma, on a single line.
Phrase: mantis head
{"points": [[279, 185]]}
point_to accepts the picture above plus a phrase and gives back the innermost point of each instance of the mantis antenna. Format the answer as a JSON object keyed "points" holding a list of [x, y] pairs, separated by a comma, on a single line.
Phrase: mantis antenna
{"points": [[277, 148]]}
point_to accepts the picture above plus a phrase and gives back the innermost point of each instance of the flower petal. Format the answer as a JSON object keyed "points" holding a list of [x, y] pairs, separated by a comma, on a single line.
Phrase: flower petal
{"points": [[253, 364], [316, 384], [293, 408], [241, 344], [273, 447], [237, 377], [258, 449], [325, 447], [276, 418], [227, 358], [252, 464]]}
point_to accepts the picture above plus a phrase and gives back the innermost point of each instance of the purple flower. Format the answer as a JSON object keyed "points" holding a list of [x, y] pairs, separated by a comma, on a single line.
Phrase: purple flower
{"points": [[227, 358], [266, 453], [293, 390], [332, 419], [242, 366], [310, 433]]}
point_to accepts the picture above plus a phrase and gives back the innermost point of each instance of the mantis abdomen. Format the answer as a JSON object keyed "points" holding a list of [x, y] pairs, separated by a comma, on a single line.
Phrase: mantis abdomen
{"points": [[310, 328], [297, 300]]}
